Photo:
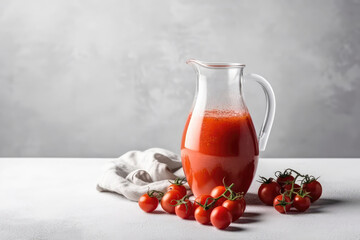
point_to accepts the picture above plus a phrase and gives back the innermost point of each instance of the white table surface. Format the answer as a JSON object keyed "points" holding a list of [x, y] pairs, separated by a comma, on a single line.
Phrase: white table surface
{"points": [[55, 198]]}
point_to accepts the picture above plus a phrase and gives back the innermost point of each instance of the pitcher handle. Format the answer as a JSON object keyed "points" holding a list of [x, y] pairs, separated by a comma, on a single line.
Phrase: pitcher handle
{"points": [[270, 108]]}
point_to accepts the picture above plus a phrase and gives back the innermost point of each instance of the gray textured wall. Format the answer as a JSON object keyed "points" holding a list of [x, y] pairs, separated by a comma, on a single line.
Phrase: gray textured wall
{"points": [[97, 78]]}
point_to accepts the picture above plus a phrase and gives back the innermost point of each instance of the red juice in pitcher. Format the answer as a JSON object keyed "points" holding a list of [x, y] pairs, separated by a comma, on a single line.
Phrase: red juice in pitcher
{"points": [[217, 145], [219, 142]]}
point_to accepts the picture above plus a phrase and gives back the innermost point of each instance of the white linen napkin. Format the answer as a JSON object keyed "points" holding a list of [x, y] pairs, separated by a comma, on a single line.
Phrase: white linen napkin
{"points": [[132, 174]]}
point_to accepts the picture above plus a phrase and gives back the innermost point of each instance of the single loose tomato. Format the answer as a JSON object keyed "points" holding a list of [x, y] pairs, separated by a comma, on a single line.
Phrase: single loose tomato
{"points": [[314, 188], [202, 200], [268, 190], [235, 208], [184, 210], [284, 179], [301, 203], [282, 203], [287, 188], [220, 217], [217, 192], [168, 201], [201, 215], [148, 203]]}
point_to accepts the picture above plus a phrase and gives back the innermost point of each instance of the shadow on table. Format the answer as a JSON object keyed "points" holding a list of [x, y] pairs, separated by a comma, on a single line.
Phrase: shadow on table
{"points": [[158, 212], [321, 205], [329, 202], [252, 199], [231, 228], [234, 229], [249, 217]]}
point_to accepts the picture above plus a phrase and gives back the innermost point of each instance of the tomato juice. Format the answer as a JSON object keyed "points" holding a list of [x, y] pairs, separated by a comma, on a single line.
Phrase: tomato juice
{"points": [[217, 145]]}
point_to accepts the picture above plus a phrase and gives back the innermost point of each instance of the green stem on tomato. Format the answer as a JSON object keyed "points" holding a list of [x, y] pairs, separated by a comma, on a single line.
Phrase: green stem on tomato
{"points": [[207, 206], [297, 173], [292, 186]]}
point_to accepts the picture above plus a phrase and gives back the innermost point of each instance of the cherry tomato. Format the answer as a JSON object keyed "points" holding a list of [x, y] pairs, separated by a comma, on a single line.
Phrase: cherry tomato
{"points": [[217, 192], [287, 187], [168, 201], [282, 204], [235, 208], [268, 191], [148, 203], [301, 203], [201, 215], [184, 210], [284, 179], [220, 217], [314, 188], [202, 199], [180, 188]]}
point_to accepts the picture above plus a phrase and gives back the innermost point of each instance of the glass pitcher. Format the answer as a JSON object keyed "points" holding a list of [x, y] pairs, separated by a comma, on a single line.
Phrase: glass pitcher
{"points": [[219, 141]]}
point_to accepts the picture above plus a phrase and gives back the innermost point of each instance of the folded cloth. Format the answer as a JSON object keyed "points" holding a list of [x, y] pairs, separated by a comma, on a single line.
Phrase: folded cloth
{"points": [[135, 172]]}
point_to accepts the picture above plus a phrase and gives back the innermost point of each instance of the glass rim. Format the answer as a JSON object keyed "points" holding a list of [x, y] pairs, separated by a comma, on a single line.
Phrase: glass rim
{"points": [[216, 64]]}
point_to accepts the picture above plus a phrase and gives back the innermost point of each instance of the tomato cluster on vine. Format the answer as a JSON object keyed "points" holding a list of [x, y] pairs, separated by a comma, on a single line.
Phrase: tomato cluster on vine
{"points": [[285, 193], [220, 208]]}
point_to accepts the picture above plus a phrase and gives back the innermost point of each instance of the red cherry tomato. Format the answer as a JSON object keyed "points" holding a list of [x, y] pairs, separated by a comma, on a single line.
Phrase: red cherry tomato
{"points": [[180, 188], [202, 199], [235, 208], [202, 216], [268, 191], [168, 201], [284, 179], [184, 210], [314, 188], [287, 187], [217, 192], [220, 217], [282, 204], [148, 203], [301, 203]]}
